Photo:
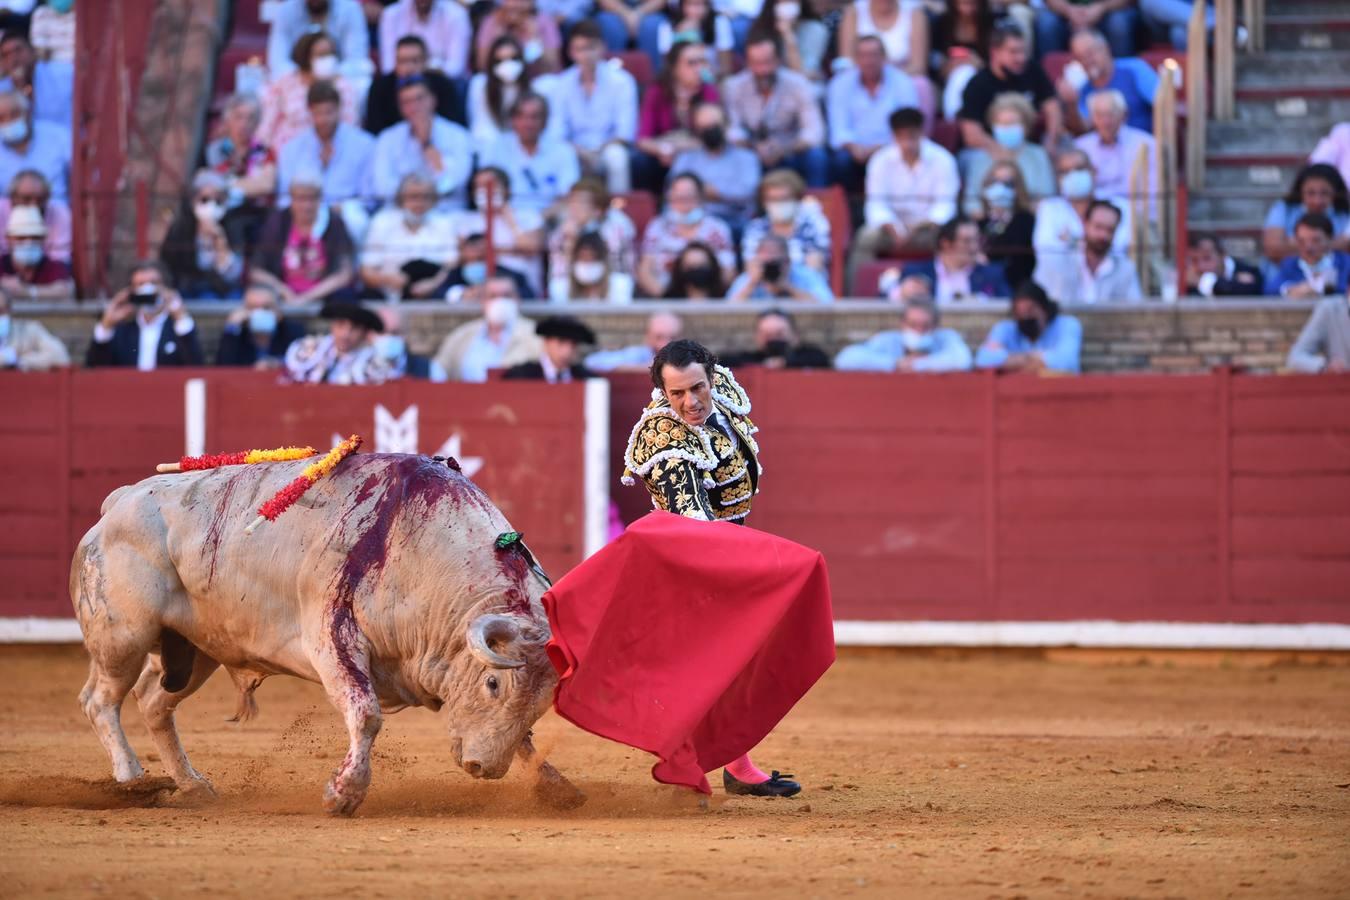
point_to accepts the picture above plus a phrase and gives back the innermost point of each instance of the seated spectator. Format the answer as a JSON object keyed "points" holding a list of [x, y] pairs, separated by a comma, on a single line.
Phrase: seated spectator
{"points": [[696, 274], [410, 248], [902, 26], [285, 103], [1007, 224], [197, 252], [956, 273], [26, 345], [1060, 220], [26, 143], [729, 173], [342, 152], [48, 84], [248, 164], [392, 347], [1334, 150], [517, 229], [1116, 19], [1318, 188], [441, 25], [778, 346], [494, 91], [465, 281], [589, 277], [538, 36], [960, 47], [596, 106], [1010, 71], [1324, 343], [541, 172], [346, 354], [422, 142], [1212, 273], [294, 19], [665, 124], [1095, 272], [256, 334], [774, 111], [684, 220], [1036, 337], [410, 60], [697, 22], [804, 37], [586, 211], [561, 338], [1113, 147], [771, 275], [630, 21], [859, 103], [1171, 20], [918, 346], [30, 188], [792, 216], [1316, 270], [1093, 71], [500, 339], [145, 325], [1011, 120], [52, 31], [26, 273], [662, 328], [305, 253], [911, 190]]}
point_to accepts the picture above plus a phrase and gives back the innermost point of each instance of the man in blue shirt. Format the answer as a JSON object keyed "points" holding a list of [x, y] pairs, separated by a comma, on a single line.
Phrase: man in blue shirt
{"points": [[26, 143], [52, 82], [596, 103], [340, 151], [423, 141], [342, 19], [1316, 270], [540, 173], [771, 275], [918, 346], [1134, 78], [858, 106], [662, 328], [1036, 337]]}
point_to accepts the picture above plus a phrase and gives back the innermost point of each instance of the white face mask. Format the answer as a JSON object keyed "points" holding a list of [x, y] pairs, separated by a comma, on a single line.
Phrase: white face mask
{"points": [[325, 66], [480, 199], [209, 211], [916, 341], [4, 327], [509, 70], [788, 10], [501, 311], [781, 210], [588, 272]]}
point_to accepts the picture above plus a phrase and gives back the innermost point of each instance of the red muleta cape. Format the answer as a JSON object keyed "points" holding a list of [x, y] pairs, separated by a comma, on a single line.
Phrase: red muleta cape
{"points": [[689, 640]]}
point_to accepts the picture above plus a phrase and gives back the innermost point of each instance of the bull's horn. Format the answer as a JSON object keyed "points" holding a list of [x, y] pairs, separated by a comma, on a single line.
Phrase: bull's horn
{"points": [[492, 627]]}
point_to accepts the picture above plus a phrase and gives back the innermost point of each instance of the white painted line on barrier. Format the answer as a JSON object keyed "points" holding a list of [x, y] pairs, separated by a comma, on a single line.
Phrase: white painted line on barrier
{"points": [[1150, 635], [595, 466], [33, 630], [194, 417]]}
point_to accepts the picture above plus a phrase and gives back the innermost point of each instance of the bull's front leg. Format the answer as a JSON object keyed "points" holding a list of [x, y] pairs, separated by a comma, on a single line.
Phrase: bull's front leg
{"points": [[343, 664], [550, 785]]}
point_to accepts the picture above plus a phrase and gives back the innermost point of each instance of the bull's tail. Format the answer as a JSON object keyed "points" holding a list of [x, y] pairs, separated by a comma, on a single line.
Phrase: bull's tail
{"points": [[246, 682]]}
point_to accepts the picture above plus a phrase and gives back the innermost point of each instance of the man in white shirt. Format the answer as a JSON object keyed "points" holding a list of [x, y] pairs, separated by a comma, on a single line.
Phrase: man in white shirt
{"points": [[1095, 273], [409, 249], [596, 103], [1061, 222], [423, 141], [1113, 147], [145, 325], [912, 185], [540, 173], [443, 25], [292, 19], [858, 103]]}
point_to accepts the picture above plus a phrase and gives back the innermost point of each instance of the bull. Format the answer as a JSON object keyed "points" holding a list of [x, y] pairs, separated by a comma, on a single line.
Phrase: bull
{"points": [[386, 584]]}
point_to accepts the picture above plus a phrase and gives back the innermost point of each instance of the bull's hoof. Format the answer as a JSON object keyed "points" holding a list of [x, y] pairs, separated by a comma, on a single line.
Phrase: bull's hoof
{"points": [[197, 791], [559, 793], [339, 802]]}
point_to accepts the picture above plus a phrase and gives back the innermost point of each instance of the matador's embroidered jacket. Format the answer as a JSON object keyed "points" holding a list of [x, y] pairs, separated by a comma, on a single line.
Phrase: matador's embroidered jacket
{"points": [[698, 471]]}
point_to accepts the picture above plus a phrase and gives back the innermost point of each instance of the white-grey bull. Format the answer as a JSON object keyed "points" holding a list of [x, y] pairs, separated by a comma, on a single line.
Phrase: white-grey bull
{"points": [[384, 584]]}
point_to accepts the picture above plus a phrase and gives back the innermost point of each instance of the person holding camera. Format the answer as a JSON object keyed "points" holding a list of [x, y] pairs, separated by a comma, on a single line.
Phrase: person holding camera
{"points": [[771, 275], [145, 325]]}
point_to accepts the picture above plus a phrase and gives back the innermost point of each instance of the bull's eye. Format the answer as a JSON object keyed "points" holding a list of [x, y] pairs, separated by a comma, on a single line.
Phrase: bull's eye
{"points": [[492, 685]]}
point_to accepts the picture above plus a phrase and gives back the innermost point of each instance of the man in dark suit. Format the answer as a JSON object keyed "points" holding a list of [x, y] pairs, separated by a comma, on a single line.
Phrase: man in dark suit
{"points": [[562, 338], [956, 273], [1212, 273], [777, 346], [145, 325], [256, 334], [410, 60]]}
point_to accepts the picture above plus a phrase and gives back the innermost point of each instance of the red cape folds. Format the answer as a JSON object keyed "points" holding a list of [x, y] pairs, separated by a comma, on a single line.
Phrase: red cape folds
{"points": [[689, 640]]}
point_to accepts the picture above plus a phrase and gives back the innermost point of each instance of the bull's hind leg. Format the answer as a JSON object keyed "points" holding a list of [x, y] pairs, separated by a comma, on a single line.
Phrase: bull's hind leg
{"points": [[343, 665], [108, 685], [157, 705]]}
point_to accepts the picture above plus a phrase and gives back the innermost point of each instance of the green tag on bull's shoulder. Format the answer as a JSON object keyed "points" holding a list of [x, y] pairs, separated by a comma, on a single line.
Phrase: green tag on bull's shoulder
{"points": [[507, 538]]}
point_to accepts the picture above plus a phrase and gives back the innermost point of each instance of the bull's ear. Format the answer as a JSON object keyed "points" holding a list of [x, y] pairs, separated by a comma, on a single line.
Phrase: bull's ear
{"points": [[489, 629]]}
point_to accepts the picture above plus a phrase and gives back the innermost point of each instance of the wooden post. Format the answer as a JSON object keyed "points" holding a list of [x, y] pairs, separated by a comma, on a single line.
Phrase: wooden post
{"points": [[1225, 27], [1197, 103], [1165, 197], [488, 218], [1139, 217]]}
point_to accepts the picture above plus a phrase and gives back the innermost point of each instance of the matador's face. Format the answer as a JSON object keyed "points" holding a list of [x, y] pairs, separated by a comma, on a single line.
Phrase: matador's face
{"points": [[689, 392]]}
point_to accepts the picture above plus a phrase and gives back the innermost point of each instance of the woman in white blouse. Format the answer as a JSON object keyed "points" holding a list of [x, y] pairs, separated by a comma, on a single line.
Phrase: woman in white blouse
{"points": [[589, 276], [902, 26]]}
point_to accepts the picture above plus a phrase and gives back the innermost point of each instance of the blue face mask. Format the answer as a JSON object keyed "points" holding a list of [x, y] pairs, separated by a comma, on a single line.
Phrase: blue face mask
{"points": [[262, 321], [4, 327], [390, 346], [474, 272], [61, 6], [27, 254], [1010, 136], [15, 132], [1000, 195], [693, 217], [1076, 184]]}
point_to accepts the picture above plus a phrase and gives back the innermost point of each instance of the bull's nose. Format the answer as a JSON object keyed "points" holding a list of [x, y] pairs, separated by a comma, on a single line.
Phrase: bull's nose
{"points": [[473, 767]]}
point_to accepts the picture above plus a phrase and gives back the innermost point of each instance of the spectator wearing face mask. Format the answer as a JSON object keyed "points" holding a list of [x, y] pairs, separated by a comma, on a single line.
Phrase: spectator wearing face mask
{"points": [[792, 216], [285, 103], [346, 354], [956, 274], [588, 277], [248, 166], [422, 142], [26, 143], [778, 346], [1011, 119], [410, 247], [729, 173], [305, 253], [1036, 337], [294, 19], [49, 84], [1010, 71], [805, 38], [517, 230], [1210, 272], [197, 251], [442, 26], [53, 31], [392, 347], [494, 91], [859, 103], [145, 326], [665, 123], [256, 334], [1007, 223], [696, 275], [464, 283], [501, 338], [919, 345], [699, 22], [775, 112], [1061, 221], [340, 151], [684, 220], [662, 328], [596, 103], [410, 60], [1093, 272], [30, 188], [538, 36], [25, 271], [771, 275], [1317, 269], [588, 210], [26, 345]]}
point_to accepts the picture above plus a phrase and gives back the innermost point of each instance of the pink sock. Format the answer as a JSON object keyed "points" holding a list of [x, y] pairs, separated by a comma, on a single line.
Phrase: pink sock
{"points": [[744, 770]]}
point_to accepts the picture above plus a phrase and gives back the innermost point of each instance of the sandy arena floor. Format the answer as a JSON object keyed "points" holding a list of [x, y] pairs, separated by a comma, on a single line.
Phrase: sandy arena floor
{"points": [[928, 775]]}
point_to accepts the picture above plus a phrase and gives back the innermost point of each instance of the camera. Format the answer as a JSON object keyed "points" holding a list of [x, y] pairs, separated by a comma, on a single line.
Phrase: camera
{"points": [[145, 295], [773, 270]]}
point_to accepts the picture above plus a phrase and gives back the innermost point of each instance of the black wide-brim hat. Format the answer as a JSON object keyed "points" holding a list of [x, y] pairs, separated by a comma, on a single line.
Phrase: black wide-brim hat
{"points": [[354, 313], [565, 328]]}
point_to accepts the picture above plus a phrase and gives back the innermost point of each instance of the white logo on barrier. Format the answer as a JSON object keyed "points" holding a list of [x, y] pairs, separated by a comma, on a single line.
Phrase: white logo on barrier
{"points": [[398, 434]]}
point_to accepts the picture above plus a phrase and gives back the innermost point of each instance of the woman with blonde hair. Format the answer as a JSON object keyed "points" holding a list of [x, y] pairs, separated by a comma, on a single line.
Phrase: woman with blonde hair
{"points": [[1011, 122], [786, 211], [1007, 222]]}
